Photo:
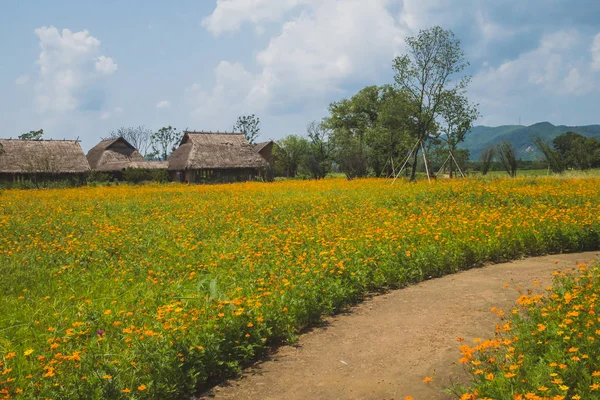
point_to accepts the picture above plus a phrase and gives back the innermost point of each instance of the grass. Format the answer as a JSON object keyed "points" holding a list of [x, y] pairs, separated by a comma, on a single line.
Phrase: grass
{"points": [[150, 291], [546, 349]]}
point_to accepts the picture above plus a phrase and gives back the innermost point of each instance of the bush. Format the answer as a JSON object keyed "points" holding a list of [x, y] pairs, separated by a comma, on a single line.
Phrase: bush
{"points": [[159, 175], [135, 175], [98, 177]]}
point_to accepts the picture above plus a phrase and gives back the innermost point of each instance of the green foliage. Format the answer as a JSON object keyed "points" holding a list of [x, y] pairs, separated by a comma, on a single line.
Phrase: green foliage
{"points": [[508, 157], [164, 141], [289, 154], [159, 175], [98, 177], [318, 156], [369, 132], [32, 135], [553, 157], [249, 125], [170, 287], [486, 158], [578, 151], [426, 75], [135, 175], [522, 137], [546, 349]]}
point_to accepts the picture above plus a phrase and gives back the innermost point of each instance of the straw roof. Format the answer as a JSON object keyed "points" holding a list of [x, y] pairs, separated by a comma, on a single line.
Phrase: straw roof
{"points": [[259, 147], [109, 151], [119, 166], [208, 150], [42, 156]]}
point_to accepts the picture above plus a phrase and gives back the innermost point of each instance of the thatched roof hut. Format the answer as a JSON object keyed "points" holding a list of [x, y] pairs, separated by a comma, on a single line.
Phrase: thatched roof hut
{"points": [[204, 156], [28, 158], [112, 154], [265, 149]]}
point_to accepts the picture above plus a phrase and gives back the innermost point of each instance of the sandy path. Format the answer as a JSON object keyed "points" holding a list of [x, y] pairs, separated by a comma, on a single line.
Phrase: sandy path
{"points": [[384, 347]]}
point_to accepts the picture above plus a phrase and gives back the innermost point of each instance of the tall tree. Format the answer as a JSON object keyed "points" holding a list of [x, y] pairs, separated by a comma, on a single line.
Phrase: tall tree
{"points": [[553, 157], [486, 158], [426, 74], [349, 122], [140, 137], [32, 135], [508, 157], [165, 140], [318, 157], [249, 125], [457, 117], [288, 155], [389, 139]]}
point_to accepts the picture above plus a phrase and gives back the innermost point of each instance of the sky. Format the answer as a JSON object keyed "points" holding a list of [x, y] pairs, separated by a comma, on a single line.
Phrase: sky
{"points": [[80, 69]]}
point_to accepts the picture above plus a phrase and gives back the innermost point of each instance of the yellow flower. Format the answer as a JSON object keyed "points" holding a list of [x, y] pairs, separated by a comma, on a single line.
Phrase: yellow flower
{"points": [[28, 352]]}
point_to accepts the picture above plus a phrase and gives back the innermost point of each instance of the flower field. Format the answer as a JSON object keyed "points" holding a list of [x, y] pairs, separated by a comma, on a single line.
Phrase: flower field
{"points": [[151, 291], [547, 349]]}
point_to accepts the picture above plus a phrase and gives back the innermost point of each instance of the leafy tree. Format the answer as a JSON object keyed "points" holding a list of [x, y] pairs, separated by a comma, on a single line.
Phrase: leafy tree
{"points": [[140, 137], [457, 119], [164, 141], [288, 155], [32, 135], [577, 151], [426, 75], [486, 158], [318, 156], [249, 125], [553, 157], [349, 122], [508, 157], [389, 139]]}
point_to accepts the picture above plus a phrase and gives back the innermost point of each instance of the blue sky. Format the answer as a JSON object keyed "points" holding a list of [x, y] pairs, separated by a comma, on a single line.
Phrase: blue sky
{"points": [[84, 68]]}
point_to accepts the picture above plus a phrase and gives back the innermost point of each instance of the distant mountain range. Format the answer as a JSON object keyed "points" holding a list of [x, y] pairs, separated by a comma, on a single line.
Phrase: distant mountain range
{"points": [[480, 137]]}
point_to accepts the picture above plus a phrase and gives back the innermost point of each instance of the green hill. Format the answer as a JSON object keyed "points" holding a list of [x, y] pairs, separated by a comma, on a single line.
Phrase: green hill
{"points": [[520, 136]]}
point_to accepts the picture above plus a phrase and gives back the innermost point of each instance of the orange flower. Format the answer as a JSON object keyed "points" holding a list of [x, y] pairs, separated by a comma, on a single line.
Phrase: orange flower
{"points": [[427, 379], [141, 388]]}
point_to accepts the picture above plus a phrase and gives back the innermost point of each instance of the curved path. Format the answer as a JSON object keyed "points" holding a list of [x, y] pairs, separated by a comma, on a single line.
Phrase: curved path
{"points": [[384, 347]]}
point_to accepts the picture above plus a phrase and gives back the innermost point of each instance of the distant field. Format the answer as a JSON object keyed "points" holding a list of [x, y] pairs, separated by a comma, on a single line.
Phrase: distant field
{"points": [[544, 172], [149, 291]]}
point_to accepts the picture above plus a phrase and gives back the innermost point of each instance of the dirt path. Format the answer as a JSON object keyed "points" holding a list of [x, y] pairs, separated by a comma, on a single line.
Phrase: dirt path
{"points": [[384, 347]]}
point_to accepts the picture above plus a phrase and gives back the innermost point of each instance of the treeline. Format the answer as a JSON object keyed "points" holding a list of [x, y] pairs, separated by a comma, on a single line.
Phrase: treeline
{"points": [[570, 151], [381, 129]]}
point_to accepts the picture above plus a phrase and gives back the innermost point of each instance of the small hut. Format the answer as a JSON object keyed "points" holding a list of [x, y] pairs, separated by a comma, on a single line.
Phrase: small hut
{"points": [[115, 156], [42, 160], [215, 157]]}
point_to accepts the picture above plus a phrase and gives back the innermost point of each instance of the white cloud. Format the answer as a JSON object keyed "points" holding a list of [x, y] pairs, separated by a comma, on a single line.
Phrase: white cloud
{"points": [[230, 14], [554, 70], [163, 104], [71, 70], [105, 65], [117, 111], [21, 80], [326, 45], [229, 96], [595, 49]]}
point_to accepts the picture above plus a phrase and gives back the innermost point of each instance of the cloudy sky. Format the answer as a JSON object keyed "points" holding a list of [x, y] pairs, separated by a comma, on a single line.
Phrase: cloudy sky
{"points": [[83, 68]]}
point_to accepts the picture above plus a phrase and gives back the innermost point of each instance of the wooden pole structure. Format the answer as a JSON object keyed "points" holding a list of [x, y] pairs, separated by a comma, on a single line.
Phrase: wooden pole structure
{"points": [[425, 160], [443, 165], [457, 166], [405, 162]]}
